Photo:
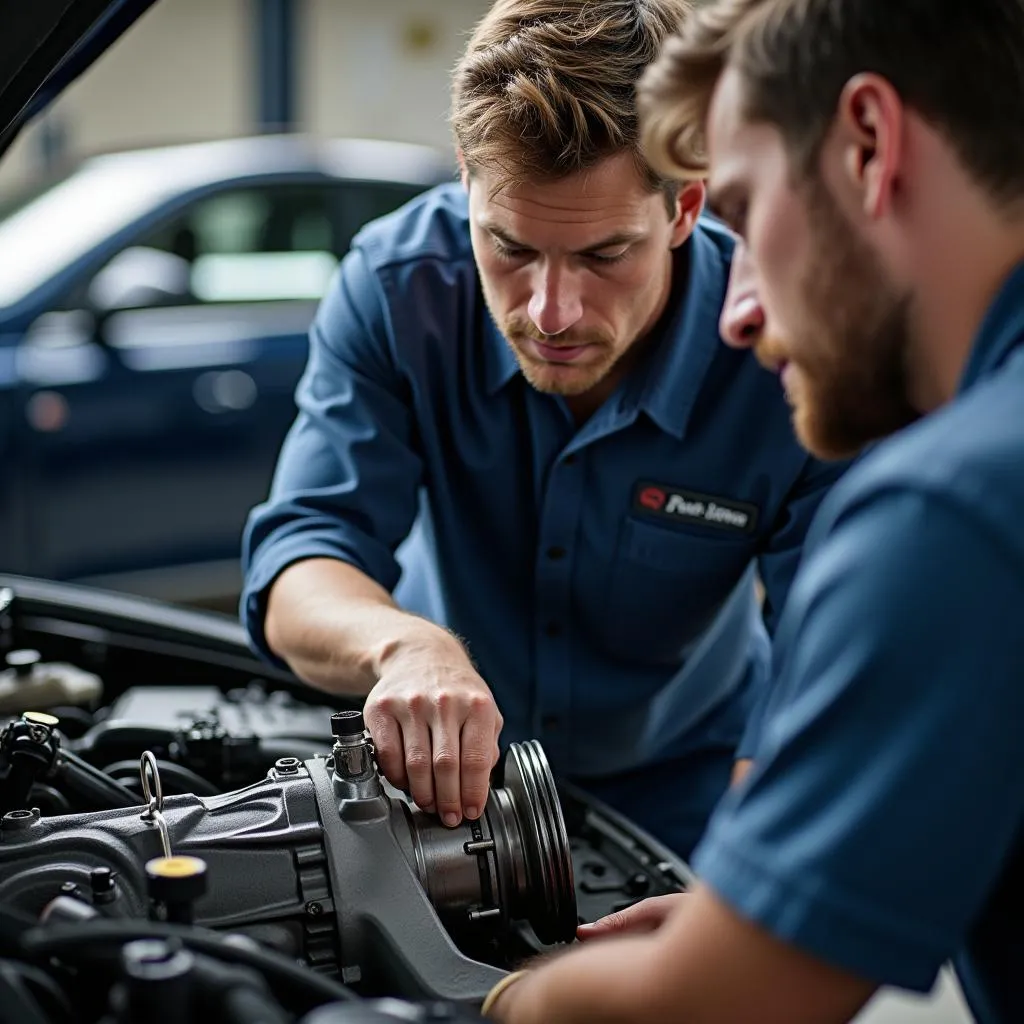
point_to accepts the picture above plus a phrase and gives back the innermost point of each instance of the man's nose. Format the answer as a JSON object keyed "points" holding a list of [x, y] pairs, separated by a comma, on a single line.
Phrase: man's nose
{"points": [[742, 320], [556, 304]]}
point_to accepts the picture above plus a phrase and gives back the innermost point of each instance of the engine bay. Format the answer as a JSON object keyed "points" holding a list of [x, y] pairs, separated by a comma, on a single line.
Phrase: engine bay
{"points": [[174, 815]]}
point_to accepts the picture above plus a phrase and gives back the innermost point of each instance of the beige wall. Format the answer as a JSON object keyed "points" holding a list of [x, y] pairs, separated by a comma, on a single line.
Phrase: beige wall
{"points": [[376, 68], [380, 69]]}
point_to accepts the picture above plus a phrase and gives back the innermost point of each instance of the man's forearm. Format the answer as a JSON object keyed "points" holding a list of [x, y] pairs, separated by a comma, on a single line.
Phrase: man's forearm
{"points": [[705, 964], [337, 628]]}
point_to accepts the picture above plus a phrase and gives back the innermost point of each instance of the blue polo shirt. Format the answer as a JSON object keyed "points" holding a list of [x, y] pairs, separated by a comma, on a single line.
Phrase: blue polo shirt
{"points": [[600, 575], [881, 828]]}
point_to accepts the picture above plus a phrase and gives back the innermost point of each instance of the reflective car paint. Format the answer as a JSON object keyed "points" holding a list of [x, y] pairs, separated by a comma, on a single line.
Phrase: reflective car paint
{"points": [[135, 441]]}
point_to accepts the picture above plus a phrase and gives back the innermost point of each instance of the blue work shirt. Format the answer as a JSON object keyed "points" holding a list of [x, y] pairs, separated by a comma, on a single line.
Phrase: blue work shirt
{"points": [[881, 827], [600, 574]]}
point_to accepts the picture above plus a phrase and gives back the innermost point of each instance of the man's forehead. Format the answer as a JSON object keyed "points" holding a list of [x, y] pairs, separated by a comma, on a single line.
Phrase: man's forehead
{"points": [[612, 192], [735, 145]]}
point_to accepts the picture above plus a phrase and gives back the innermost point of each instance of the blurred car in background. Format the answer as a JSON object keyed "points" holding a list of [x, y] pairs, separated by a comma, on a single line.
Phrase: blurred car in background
{"points": [[153, 315]]}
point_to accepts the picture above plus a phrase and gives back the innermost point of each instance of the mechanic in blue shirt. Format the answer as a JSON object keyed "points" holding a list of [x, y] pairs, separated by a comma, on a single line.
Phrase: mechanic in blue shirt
{"points": [[880, 200], [537, 348]]}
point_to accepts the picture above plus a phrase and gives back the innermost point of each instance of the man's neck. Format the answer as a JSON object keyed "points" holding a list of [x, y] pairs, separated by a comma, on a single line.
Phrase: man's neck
{"points": [[953, 295]]}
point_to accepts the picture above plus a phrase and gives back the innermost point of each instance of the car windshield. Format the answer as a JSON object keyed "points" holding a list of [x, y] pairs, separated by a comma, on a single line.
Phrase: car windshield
{"points": [[43, 233]]}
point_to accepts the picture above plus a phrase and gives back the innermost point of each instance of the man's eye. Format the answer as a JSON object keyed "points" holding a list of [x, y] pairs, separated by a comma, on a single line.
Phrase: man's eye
{"points": [[508, 252], [608, 258]]}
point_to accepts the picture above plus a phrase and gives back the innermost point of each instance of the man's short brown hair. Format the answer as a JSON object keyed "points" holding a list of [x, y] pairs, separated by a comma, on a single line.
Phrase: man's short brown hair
{"points": [[547, 88], [958, 63]]}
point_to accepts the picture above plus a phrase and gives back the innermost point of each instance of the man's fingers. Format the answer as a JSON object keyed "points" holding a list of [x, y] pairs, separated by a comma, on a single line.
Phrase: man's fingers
{"points": [[477, 759], [609, 925], [642, 917], [419, 766], [389, 748], [447, 783]]}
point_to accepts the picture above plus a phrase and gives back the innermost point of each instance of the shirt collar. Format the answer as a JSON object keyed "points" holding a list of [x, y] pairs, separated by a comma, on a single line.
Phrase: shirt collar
{"points": [[500, 361], [675, 373], [1001, 331]]}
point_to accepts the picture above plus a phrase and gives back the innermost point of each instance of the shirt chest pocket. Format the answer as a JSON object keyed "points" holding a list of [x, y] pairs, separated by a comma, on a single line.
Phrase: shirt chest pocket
{"points": [[665, 585]]}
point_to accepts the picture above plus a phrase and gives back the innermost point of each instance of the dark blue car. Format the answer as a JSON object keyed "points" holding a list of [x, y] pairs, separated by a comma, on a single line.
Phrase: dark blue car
{"points": [[153, 316]]}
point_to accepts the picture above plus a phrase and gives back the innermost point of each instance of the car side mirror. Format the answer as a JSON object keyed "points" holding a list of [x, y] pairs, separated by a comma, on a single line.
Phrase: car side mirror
{"points": [[139, 277]]}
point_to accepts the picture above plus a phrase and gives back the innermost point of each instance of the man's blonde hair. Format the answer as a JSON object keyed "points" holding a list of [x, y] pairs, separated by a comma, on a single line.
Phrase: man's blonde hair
{"points": [[795, 57], [674, 93], [547, 88]]}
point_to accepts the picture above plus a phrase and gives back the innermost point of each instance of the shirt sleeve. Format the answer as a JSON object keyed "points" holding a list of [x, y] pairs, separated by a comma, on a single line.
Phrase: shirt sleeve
{"points": [[887, 792], [777, 565], [347, 478]]}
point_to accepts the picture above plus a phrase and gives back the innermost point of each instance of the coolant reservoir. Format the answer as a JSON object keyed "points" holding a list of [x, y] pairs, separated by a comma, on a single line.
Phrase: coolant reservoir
{"points": [[28, 682]]}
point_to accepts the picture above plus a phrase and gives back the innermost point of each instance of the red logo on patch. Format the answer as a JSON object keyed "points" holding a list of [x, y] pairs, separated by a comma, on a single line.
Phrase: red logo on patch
{"points": [[653, 498]]}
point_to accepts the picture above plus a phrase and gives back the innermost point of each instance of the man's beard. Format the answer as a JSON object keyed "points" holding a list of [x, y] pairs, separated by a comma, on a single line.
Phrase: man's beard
{"points": [[849, 368], [553, 378]]}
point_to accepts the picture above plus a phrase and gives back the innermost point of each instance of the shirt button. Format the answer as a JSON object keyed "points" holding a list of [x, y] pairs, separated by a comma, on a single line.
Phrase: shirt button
{"points": [[550, 723], [553, 629], [555, 553]]}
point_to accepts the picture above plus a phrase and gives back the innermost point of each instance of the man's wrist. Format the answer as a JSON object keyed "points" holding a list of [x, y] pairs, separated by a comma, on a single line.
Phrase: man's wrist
{"points": [[498, 991], [422, 641]]}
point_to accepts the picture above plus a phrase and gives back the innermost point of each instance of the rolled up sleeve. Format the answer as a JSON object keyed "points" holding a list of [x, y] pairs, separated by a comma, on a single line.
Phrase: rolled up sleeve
{"points": [[347, 478]]}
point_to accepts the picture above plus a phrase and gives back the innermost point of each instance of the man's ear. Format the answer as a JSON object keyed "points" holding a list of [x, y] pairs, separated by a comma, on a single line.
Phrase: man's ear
{"points": [[463, 169], [689, 206], [869, 128]]}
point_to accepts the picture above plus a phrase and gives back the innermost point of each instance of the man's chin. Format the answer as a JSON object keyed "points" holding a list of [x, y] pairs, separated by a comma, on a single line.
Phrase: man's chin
{"points": [[824, 438], [561, 380]]}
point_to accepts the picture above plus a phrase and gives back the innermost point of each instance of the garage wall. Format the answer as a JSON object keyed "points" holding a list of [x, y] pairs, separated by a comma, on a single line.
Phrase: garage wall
{"points": [[185, 72], [381, 69]]}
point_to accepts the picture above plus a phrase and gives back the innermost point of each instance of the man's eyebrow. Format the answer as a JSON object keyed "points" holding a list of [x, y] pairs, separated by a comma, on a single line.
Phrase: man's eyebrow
{"points": [[612, 241]]}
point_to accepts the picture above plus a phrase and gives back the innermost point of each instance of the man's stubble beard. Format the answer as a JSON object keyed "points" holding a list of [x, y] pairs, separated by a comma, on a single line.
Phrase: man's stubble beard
{"points": [[851, 384]]}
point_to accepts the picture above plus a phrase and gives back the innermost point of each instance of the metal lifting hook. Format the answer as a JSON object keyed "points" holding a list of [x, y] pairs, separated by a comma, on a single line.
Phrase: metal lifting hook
{"points": [[154, 797]]}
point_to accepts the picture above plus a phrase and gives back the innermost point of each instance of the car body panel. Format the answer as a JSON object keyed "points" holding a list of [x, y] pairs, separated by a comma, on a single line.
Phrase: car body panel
{"points": [[144, 432]]}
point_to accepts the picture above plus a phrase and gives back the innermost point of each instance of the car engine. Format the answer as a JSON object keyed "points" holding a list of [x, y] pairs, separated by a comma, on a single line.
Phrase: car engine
{"points": [[195, 849]]}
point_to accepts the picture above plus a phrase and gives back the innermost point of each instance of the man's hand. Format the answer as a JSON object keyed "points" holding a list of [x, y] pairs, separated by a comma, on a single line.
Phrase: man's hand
{"points": [[435, 727], [643, 917]]}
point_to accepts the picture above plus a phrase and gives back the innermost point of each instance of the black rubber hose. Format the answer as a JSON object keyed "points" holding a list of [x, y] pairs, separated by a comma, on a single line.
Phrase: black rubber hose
{"points": [[17, 1006], [86, 780], [55, 1004], [86, 941], [188, 780]]}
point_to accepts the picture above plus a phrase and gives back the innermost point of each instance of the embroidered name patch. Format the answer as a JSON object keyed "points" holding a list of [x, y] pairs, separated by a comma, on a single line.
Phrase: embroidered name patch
{"points": [[665, 502]]}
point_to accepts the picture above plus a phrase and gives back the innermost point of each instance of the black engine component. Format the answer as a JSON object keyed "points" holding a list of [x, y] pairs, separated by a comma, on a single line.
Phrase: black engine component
{"points": [[322, 861], [309, 891]]}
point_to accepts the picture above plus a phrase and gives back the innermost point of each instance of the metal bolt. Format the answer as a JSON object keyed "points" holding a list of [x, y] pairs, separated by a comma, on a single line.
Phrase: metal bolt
{"points": [[287, 765], [314, 908], [479, 846], [484, 915], [20, 819], [101, 881]]}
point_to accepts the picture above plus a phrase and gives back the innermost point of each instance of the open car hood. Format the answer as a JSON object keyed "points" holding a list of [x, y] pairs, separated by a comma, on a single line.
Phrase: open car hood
{"points": [[46, 44]]}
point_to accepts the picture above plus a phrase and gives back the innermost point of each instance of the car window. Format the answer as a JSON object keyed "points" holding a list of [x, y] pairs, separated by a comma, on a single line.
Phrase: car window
{"points": [[269, 243], [363, 201]]}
